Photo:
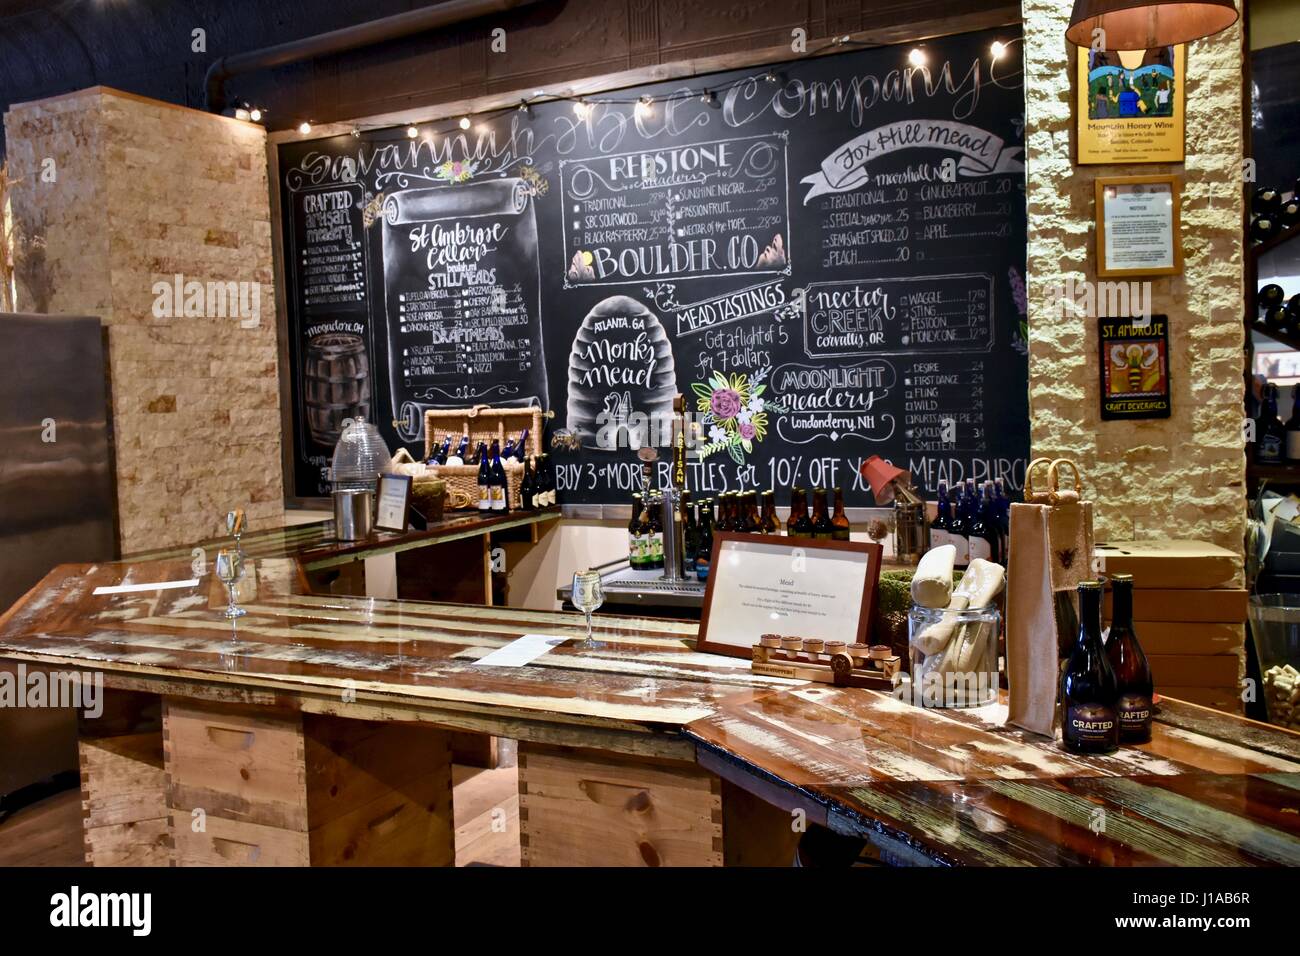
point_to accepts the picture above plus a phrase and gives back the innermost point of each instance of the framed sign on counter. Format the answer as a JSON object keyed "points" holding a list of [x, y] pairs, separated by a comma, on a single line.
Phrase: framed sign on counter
{"points": [[791, 586], [1139, 228], [393, 502], [1130, 105]]}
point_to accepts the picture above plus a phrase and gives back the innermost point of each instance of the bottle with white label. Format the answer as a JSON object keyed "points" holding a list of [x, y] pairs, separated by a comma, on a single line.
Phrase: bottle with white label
{"points": [[939, 535]]}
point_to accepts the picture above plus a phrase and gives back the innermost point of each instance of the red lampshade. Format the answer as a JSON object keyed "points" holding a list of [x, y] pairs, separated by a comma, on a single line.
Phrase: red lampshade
{"points": [[1146, 24], [881, 475]]}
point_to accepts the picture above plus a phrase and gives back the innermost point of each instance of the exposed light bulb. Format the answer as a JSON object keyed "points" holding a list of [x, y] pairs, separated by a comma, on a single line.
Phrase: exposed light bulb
{"points": [[916, 57], [412, 132], [255, 115], [997, 49], [644, 106], [464, 122], [304, 127]]}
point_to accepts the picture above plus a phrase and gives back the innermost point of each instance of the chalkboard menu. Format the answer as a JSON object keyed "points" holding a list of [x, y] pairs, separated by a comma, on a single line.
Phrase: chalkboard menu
{"points": [[826, 257]]}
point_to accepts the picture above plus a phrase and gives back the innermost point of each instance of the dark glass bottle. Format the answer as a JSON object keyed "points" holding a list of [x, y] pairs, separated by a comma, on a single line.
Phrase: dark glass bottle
{"points": [[704, 550], [796, 503], [1132, 671], [770, 523], [690, 532], [526, 487], [1266, 201], [942, 518], [500, 486], [1270, 295], [1088, 721], [821, 516], [1270, 434], [1289, 214], [803, 526], [484, 483], [958, 530], [461, 448], [440, 453], [1263, 228], [985, 541], [752, 520], [521, 447], [545, 495], [635, 553], [841, 530]]}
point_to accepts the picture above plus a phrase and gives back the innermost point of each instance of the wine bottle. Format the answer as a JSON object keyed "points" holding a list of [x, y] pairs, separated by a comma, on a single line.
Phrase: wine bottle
{"points": [[1270, 434], [484, 482], [1088, 721], [500, 487], [1289, 214], [1263, 228], [770, 523], [704, 549], [521, 447], [1132, 671], [635, 541], [1266, 201], [526, 489], [958, 531], [1270, 295], [458, 458], [841, 530], [942, 518]]}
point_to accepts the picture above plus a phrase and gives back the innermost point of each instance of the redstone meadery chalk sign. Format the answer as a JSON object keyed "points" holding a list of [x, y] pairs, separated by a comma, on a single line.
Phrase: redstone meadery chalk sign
{"points": [[826, 257]]}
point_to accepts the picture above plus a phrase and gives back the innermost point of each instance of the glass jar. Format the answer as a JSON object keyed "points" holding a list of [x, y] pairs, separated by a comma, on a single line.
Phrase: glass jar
{"points": [[360, 457], [954, 656]]}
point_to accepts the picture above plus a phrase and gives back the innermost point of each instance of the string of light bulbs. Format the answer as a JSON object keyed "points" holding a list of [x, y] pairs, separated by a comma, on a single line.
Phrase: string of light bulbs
{"points": [[642, 104]]}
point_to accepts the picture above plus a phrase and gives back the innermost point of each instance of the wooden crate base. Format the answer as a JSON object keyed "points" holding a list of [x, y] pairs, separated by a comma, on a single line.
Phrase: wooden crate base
{"points": [[586, 808], [288, 789], [123, 791]]}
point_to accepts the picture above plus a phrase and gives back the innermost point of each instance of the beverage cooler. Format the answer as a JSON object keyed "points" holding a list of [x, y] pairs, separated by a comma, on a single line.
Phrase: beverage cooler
{"points": [[58, 502]]}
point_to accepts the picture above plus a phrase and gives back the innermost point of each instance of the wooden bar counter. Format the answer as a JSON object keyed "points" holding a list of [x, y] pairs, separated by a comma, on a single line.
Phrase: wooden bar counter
{"points": [[315, 730]]}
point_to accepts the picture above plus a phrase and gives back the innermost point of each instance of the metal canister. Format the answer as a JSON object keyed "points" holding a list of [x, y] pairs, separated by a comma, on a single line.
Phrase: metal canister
{"points": [[354, 514]]}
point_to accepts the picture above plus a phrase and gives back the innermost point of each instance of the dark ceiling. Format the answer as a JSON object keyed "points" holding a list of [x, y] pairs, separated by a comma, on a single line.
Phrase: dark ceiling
{"points": [[145, 46]]}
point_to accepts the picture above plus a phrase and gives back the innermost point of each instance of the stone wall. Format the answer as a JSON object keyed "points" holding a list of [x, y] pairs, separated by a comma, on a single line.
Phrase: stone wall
{"points": [[137, 193], [1184, 476]]}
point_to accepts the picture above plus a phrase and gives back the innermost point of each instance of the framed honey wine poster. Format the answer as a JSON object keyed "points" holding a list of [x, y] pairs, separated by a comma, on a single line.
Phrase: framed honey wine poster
{"points": [[1130, 105]]}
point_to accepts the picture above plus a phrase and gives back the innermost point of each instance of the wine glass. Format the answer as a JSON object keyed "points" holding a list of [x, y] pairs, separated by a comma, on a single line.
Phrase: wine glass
{"points": [[230, 568], [588, 595]]}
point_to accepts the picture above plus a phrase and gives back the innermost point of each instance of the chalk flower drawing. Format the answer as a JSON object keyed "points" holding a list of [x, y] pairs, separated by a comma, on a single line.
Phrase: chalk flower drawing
{"points": [[734, 409], [1020, 342], [455, 171]]}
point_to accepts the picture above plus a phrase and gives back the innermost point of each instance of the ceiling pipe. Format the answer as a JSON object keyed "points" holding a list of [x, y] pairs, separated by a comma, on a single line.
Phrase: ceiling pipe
{"points": [[348, 38]]}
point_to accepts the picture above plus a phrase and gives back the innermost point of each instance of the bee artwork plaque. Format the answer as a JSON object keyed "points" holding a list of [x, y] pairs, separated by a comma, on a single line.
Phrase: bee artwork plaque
{"points": [[1134, 367]]}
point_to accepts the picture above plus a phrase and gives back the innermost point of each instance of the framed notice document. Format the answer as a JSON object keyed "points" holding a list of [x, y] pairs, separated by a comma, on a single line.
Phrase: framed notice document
{"points": [[790, 586], [393, 502], [1138, 226]]}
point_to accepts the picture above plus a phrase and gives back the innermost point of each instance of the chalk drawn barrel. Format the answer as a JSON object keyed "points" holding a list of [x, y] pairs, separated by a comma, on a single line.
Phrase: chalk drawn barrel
{"points": [[336, 384]]}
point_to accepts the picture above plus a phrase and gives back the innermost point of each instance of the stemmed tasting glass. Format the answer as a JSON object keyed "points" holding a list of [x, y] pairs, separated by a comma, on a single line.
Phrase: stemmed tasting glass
{"points": [[230, 568], [588, 596]]}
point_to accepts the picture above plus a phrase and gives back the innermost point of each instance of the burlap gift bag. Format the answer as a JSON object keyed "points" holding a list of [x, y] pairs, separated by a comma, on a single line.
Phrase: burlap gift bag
{"points": [[1050, 552]]}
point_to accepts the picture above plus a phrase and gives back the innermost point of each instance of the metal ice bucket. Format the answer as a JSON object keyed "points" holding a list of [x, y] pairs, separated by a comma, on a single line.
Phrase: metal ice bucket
{"points": [[354, 514]]}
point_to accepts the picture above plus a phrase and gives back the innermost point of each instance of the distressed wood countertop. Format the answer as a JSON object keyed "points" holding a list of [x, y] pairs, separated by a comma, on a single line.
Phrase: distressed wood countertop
{"points": [[929, 786], [955, 786], [373, 658]]}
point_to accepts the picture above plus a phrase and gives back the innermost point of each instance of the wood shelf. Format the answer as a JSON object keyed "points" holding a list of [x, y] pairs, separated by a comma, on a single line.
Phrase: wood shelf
{"points": [[1286, 338]]}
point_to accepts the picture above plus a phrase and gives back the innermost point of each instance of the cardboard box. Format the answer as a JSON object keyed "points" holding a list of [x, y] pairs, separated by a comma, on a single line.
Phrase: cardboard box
{"points": [[1170, 563], [1227, 699], [1195, 670], [1190, 637], [1218, 606]]}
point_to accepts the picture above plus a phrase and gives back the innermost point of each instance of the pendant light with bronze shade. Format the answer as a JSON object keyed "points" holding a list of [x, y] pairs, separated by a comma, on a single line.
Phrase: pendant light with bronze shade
{"points": [[1147, 24]]}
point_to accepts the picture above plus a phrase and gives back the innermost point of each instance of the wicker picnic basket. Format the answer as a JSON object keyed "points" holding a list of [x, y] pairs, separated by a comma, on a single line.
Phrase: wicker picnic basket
{"points": [[480, 423]]}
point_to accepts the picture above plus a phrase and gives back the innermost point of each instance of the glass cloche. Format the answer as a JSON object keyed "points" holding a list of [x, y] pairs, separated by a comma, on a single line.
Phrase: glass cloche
{"points": [[360, 456]]}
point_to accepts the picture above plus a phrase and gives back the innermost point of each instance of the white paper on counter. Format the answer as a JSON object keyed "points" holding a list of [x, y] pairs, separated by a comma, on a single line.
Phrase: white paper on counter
{"points": [[521, 650], [155, 586]]}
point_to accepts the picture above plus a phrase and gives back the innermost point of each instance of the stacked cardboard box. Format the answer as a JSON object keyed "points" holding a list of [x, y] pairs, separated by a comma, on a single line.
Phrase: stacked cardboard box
{"points": [[1189, 611]]}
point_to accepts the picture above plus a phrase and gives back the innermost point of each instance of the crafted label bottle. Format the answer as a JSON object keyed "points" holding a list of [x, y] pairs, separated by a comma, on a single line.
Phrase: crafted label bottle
{"points": [[1089, 723]]}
